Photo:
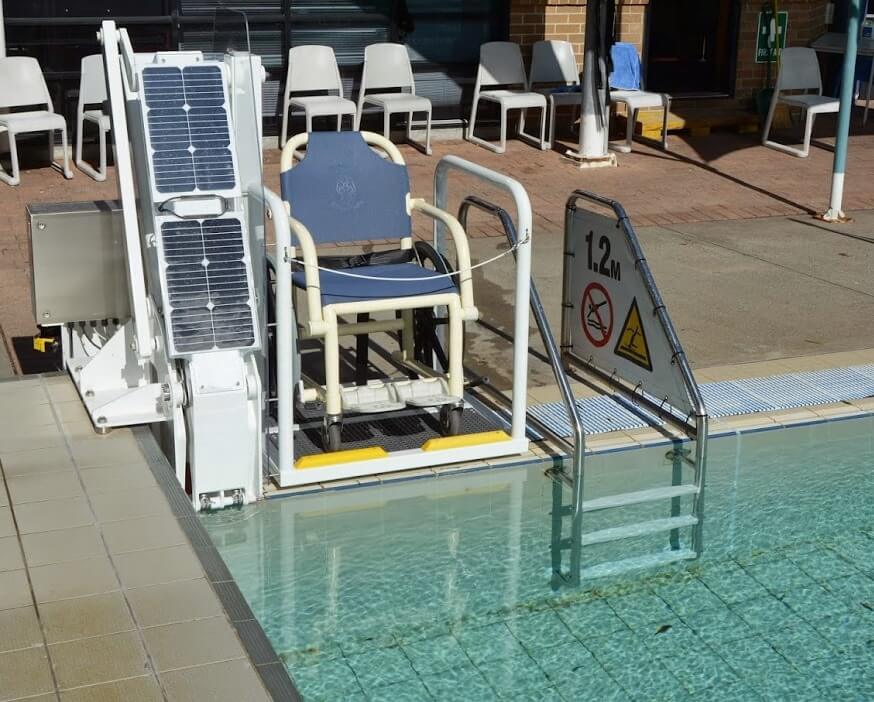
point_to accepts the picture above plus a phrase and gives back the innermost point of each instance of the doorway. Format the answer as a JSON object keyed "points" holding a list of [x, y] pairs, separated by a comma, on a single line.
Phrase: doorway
{"points": [[692, 47]]}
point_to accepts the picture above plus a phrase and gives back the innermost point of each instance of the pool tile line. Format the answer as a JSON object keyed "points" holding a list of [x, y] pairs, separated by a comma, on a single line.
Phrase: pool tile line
{"points": [[273, 674]]}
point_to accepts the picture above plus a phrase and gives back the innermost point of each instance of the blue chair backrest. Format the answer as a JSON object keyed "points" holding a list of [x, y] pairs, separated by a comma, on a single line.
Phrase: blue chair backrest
{"points": [[342, 191], [626, 67]]}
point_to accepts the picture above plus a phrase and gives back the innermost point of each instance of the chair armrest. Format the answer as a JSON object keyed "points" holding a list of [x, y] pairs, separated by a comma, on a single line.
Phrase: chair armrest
{"points": [[310, 269], [461, 248]]}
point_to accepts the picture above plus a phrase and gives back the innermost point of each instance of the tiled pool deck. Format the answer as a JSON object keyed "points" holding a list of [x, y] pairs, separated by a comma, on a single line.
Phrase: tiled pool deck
{"points": [[102, 595]]}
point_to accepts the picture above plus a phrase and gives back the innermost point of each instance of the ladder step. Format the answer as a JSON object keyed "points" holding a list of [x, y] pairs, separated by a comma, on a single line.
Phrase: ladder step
{"points": [[631, 531], [638, 563], [639, 497]]}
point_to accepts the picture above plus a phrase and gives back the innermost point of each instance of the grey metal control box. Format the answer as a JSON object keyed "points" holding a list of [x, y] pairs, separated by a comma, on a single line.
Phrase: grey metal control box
{"points": [[78, 265]]}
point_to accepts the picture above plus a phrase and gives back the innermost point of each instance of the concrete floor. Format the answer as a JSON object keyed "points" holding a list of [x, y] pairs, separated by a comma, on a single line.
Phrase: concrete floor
{"points": [[738, 291]]}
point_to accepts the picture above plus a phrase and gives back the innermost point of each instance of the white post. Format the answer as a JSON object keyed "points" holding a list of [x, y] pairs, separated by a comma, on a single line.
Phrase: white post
{"points": [[594, 112], [524, 228]]}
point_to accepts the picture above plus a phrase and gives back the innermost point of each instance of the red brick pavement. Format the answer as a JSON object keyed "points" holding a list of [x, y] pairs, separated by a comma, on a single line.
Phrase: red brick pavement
{"points": [[724, 176]]}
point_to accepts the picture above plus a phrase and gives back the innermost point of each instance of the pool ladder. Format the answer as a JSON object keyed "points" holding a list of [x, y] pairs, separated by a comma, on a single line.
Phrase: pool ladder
{"points": [[574, 542]]}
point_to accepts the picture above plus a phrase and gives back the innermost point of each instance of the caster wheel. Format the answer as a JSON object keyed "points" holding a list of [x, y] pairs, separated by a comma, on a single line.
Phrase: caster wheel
{"points": [[331, 440], [450, 420]]}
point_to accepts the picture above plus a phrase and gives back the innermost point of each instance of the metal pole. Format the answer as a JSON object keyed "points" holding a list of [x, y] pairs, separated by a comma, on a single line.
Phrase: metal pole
{"points": [[593, 150], [835, 211]]}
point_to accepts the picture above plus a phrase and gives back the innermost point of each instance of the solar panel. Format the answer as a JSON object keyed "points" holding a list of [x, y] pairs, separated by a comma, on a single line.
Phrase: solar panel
{"points": [[208, 290], [188, 131]]}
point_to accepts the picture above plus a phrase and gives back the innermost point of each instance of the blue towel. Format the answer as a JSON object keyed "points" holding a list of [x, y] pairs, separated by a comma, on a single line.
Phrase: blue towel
{"points": [[626, 67]]}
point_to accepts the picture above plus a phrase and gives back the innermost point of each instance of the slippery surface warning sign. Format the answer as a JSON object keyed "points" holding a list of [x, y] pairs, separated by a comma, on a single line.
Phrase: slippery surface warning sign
{"points": [[611, 307], [632, 339]]}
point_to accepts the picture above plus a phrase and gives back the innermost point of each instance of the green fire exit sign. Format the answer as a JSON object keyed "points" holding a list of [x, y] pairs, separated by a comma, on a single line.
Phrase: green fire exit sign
{"points": [[771, 35]]}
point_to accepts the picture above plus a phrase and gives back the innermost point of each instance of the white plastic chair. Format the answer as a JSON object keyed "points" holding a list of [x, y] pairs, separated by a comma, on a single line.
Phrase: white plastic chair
{"points": [[635, 98], [22, 85], [553, 64], [314, 69], [500, 63], [799, 70], [92, 91], [387, 66]]}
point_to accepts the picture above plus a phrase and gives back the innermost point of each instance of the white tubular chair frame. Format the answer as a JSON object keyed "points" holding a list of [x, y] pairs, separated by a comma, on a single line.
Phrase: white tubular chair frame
{"points": [[478, 94], [811, 111], [631, 119], [87, 98], [43, 99], [290, 102], [386, 108], [323, 321], [553, 100]]}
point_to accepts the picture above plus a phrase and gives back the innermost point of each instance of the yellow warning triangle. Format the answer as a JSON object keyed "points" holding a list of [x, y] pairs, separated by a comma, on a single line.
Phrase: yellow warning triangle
{"points": [[632, 340]]}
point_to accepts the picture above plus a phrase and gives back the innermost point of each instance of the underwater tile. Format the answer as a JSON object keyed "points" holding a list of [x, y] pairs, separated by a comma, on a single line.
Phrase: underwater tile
{"points": [[847, 632], [783, 686], [518, 677], [689, 596], [780, 576], [650, 680], [731, 583], [799, 643], [815, 602], [700, 672], [558, 661], [407, 691], [619, 650], [591, 618], [489, 642], [752, 658], [765, 613], [824, 564], [640, 608], [435, 655], [737, 691], [381, 667], [465, 683], [327, 681], [591, 684], [540, 629], [669, 638], [854, 590], [718, 626]]}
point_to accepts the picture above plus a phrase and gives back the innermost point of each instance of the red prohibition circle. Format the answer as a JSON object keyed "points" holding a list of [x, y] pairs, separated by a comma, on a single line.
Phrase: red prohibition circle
{"points": [[596, 314]]}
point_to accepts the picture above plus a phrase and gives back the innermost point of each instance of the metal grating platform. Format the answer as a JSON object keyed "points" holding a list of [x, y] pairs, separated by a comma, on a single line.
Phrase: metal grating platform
{"points": [[395, 431], [722, 399]]}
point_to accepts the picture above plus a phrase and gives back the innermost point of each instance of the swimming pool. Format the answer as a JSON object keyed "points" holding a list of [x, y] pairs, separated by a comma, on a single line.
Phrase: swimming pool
{"points": [[440, 589]]}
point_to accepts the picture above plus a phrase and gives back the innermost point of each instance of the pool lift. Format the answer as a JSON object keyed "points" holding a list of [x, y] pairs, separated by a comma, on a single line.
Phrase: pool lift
{"points": [[212, 352]]}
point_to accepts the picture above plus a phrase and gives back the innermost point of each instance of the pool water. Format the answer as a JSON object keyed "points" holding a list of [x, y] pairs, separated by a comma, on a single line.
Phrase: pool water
{"points": [[441, 590]]}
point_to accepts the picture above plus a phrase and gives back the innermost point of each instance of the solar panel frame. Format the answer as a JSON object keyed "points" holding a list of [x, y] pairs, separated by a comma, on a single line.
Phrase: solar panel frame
{"points": [[188, 131], [208, 294]]}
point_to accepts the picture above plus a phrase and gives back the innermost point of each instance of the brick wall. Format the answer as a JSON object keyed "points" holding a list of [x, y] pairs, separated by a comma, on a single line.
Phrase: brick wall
{"points": [[806, 22], [533, 20]]}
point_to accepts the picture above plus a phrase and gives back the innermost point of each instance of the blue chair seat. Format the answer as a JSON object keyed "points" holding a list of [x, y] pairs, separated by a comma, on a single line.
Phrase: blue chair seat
{"points": [[343, 288]]}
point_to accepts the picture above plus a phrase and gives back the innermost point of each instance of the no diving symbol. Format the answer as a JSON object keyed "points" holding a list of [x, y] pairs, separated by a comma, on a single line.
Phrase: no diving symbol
{"points": [[597, 314]]}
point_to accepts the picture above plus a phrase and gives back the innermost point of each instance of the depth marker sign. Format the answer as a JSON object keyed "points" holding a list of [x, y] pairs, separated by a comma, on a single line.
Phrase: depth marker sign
{"points": [[610, 301]]}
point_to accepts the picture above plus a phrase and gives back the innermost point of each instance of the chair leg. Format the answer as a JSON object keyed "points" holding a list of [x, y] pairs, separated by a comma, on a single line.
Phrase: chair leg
{"points": [[68, 173], [283, 135], [503, 147], [309, 121], [543, 145], [551, 107], [808, 132], [428, 132], [13, 178], [339, 122], [333, 401], [456, 350], [520, 126], [103, 155], [631, 121], [472, 125], [666, 99], [386, 124], [766, 132], [80, 128]]}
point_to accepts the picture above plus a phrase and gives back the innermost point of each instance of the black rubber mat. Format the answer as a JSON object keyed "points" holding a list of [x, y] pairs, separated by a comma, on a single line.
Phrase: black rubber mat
{"points": [[393, 431]]}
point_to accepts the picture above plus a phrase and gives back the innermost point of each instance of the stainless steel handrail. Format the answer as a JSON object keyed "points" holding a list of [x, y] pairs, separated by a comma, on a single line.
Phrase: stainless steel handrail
{"points": [[554, 355]]}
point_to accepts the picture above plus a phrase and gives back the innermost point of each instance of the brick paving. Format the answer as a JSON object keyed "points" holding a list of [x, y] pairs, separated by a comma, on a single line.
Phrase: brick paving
{"points": [[721, 177]]}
